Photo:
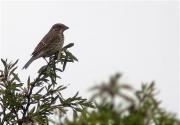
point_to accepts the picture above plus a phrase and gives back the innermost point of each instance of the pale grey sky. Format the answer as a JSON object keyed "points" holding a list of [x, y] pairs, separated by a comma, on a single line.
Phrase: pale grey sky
{"points": [[139, 39]]}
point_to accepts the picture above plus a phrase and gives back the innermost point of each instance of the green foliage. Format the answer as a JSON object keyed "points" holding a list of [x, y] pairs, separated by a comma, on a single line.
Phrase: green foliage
{"points": [[142, 108], [34, 100]]}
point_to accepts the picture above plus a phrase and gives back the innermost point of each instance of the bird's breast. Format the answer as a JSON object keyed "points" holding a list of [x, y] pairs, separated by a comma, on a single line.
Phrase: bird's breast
{"points": [[61, 37]]}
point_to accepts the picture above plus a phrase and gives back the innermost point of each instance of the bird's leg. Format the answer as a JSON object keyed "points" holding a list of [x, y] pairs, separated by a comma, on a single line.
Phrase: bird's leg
{"points": [[45, 60]]}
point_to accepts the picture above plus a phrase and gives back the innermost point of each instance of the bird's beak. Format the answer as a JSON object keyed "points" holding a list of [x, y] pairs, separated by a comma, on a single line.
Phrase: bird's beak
{"points": [[65, 28]]}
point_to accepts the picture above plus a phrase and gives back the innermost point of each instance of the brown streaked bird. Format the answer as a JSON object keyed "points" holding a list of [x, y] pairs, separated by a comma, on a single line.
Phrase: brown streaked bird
{"points": [[51, 43]]}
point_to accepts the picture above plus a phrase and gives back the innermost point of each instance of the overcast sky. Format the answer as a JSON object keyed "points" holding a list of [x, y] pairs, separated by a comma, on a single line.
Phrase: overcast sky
{"points": [[139, 39]]}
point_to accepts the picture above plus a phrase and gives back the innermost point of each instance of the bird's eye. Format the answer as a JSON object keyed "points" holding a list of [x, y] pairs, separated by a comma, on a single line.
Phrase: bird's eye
{"points": [[56, 29]]}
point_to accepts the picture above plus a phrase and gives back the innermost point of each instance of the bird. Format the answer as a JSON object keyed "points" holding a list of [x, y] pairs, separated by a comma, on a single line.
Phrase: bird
{"points": [[50, 44]]}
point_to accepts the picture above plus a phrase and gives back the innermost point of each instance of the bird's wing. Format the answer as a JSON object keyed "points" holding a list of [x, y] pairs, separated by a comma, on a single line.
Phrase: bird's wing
{"points": [[47, 39]]}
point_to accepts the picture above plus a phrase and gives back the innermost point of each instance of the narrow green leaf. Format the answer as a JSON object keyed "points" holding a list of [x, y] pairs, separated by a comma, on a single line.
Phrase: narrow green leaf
{"points": [[14, 63], [16, 77], [68, 46], [32, 110], [39, 90], [4, 63], [71, 56], [12, 71]]}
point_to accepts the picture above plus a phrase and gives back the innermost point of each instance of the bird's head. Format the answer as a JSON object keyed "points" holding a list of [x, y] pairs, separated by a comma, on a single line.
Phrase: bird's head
{"points": [[58, 27]]}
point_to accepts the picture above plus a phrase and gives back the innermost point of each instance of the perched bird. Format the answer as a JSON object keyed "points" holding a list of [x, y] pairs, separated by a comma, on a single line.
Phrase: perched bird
{"points": [[51, 43]]}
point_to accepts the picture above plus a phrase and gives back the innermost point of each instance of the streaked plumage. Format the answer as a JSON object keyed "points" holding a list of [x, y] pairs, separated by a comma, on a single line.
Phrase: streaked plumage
{"points": [[51, 43]]}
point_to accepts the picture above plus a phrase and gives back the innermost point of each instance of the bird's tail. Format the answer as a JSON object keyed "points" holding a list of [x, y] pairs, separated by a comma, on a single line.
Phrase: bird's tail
{"points": [[28, 63]]}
